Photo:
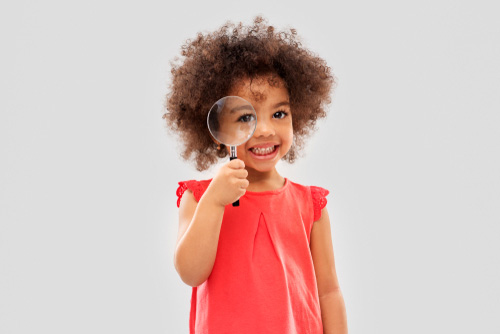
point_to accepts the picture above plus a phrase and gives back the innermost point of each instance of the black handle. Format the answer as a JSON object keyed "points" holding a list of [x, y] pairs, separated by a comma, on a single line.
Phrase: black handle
{"points": [[237, 203]]}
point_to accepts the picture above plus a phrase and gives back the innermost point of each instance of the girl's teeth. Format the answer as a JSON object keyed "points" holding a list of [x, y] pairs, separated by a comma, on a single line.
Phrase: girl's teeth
{"points": [[263, 151]]}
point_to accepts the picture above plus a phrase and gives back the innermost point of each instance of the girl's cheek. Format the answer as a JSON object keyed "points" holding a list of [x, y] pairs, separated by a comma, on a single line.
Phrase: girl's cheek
{"points": [[241, 152]]}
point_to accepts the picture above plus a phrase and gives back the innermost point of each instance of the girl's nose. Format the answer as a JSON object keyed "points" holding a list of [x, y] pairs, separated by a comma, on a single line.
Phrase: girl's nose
{"points": [[264, 129]]}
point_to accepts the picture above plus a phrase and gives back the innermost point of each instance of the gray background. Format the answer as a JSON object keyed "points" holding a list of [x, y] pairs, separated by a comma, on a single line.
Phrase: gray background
{"points": [[88, 173]]}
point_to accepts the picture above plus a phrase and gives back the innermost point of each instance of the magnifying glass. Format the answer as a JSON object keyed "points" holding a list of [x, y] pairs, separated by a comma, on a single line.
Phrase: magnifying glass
{"points": [[232, 121]]}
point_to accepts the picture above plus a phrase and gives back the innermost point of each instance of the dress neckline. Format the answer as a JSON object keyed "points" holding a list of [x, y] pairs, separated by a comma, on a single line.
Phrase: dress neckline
{"points": [[269, 192]]}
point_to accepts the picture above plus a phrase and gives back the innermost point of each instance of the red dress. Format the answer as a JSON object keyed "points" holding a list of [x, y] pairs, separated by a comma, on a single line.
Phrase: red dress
{"points": [[263, 278]]}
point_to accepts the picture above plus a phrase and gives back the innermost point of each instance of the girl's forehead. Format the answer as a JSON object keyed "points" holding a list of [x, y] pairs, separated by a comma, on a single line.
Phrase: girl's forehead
{"points": [[261, 90]]}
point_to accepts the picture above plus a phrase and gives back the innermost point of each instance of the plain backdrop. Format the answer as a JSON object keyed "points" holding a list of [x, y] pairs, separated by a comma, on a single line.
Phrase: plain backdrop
{"points": [[88, 171]]}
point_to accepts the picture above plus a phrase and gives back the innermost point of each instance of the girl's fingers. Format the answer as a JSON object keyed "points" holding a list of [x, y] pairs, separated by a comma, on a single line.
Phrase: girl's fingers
{"points": [[240, 173], [236, 164], [244, 183]]}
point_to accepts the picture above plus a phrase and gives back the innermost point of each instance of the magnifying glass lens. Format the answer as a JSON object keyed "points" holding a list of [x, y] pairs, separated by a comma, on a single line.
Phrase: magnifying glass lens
{"points": [[232, 120]]}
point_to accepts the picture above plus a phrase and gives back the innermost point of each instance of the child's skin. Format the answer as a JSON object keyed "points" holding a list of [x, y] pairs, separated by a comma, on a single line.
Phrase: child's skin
{"points": [[200, 223]]}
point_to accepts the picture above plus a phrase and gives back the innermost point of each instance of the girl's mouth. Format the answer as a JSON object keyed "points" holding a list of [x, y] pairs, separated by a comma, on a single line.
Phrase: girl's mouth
{"points": [[264, 153]]}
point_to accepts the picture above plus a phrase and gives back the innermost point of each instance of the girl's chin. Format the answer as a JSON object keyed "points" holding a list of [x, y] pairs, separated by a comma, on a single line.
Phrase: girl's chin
{"points": [[260, 169], [261, 165]]}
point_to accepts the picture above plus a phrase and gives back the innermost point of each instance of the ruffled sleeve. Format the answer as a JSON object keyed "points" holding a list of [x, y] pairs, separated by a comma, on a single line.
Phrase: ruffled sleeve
{"points": [[319, 200], [197, 187]]}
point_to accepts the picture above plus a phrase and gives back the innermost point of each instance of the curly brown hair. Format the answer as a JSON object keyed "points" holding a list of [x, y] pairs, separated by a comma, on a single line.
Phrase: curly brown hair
{"points": [[212, 65]]}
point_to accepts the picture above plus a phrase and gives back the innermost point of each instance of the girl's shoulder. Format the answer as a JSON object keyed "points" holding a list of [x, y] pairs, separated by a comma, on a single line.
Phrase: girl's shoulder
{"points": [[197, 187], [316, 194]]}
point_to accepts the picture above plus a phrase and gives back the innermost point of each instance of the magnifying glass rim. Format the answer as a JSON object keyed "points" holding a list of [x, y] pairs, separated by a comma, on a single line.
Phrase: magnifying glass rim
{"points": [[254, 112]]}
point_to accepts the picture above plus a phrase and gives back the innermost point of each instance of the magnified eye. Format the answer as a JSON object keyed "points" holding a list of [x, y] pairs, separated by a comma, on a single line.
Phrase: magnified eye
{"points": [[246, 118]]}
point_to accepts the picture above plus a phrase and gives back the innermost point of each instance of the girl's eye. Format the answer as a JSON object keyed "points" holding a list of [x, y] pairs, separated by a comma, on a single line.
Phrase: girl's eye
{"points": [[280, 114], [246, 118]]}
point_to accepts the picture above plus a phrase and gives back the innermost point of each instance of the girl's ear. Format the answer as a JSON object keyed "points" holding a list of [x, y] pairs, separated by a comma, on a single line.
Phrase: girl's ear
{"points": [[219, 144], [215, 141]]}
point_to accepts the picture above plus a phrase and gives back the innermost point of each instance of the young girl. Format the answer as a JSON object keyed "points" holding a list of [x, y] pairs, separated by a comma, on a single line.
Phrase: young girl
{"points": [[267, 265]]}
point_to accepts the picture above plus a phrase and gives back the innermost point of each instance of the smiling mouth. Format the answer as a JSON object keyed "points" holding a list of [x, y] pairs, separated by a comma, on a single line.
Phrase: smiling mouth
{"points": [[263, 151]]}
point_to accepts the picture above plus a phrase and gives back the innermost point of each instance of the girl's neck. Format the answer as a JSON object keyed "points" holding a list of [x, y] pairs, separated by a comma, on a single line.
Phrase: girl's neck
{"points": [[264, 181]]}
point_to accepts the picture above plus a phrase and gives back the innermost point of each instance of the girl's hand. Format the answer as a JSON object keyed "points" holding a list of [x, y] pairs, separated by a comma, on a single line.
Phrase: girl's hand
{"points": [[229, 184]]}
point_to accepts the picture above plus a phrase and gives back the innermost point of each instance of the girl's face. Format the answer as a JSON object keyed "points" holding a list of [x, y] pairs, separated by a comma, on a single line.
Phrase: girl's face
{"points": [[273, 135]]}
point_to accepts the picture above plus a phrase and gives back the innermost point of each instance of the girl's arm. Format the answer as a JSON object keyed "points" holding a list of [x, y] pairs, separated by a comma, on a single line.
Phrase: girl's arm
{"points": [[333, 311], [200, 223], [198, 237]]}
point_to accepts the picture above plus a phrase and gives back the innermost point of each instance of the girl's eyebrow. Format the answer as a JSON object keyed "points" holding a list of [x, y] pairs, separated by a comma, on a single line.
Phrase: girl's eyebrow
{"points": [[284, 103], [247, 107], [242, 107]]}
